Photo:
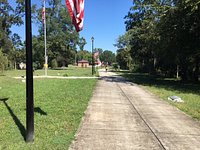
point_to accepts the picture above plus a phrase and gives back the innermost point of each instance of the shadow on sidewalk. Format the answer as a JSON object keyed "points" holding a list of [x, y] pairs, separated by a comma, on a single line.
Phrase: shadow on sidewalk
{"points": [[114, 78]]}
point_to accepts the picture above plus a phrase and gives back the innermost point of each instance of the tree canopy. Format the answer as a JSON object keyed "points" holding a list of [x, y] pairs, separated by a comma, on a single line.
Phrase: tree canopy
{"points": [[162, 37], [62, 39], [10, 16]]}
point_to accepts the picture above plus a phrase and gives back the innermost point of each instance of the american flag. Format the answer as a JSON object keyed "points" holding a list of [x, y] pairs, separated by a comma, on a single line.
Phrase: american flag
{"points": [[43, 15], [96, 54], [76, 10]]}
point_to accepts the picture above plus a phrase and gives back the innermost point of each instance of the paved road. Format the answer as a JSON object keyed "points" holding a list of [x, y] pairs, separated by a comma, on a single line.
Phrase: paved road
{"points": [[122, 116]]}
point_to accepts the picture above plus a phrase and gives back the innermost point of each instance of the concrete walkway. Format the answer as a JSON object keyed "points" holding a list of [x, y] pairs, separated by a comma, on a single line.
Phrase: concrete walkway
{"points": [[122, 116]]}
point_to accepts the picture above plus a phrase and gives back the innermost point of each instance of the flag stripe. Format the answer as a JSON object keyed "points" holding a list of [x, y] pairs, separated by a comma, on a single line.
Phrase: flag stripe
{"points": [[76, 10], [96, 54], [43, 15]]}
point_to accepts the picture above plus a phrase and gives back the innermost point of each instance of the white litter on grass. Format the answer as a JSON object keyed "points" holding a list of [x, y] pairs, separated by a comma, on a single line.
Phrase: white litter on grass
{"points": [[175, 99], [23, 81]]}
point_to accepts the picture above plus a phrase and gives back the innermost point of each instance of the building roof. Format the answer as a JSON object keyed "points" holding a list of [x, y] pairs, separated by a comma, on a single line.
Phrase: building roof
{"points": [[83, 61]]}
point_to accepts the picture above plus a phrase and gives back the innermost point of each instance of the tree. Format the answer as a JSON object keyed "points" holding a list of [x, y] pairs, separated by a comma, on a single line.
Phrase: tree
{"points": [[107, 57], [164, 36], [84, 55], [3, 61], [81, 43], [61, 36], [38, 51], [10, 43], [123, 56], [179, 31], [9, 17], [99, 50]]}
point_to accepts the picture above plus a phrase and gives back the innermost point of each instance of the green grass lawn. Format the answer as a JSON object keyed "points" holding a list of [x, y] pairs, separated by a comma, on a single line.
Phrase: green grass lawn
{"points": [[59, 107], [165, 87], [69, 71]]}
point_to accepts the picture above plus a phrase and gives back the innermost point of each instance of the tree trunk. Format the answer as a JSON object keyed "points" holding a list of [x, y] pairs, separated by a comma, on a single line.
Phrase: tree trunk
{"points": [[184, 71], [154, 62], [177, 71], [196, 71], [15, 65]]}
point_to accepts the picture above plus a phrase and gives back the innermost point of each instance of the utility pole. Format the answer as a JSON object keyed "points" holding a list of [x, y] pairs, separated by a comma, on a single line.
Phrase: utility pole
{"points": [[45, 37], [29, 76], [92, 55]]}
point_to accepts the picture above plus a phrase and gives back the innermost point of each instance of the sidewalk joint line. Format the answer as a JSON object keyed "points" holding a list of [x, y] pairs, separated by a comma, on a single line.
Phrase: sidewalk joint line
{"points": [[141, 117]]}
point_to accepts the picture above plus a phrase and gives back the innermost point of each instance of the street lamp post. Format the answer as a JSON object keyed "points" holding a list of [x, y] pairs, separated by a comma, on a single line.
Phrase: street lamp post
{"points": [[29, 76], [92, 55]]}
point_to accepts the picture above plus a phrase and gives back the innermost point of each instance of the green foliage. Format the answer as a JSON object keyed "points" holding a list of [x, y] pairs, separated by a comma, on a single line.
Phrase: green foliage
{"points": [[38, 50], [62, 39], [85, 55], [65, 75], [61, 36], [181, 41], [3, 61], [81, 43], [161, 37], [54, 63], [115, 66], [10, 43], [123, 56], [36, 65], [107, 57]]}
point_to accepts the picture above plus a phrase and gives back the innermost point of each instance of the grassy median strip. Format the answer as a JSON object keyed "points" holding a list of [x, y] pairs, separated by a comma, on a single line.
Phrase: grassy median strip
{"points": [[165, 87], [59, 107]]}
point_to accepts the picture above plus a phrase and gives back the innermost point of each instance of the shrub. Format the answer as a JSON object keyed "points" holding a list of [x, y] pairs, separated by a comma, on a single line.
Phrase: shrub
{"points": [[54, 63], [3, 61], [65, 75], [115, 66]]}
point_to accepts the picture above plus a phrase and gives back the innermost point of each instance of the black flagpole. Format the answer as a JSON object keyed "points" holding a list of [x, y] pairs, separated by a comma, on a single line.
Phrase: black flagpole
{"points": [[29, 76]]}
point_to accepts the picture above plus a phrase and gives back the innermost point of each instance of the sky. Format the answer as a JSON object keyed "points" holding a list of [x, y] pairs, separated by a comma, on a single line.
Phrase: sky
{"points": [[104, 20]]}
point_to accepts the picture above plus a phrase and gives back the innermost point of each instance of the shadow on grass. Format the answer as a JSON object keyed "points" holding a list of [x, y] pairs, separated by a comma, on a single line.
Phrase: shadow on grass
{"points": [[62, 68], [121, 71], [160, 82], [40, 111], [15, 119]]}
